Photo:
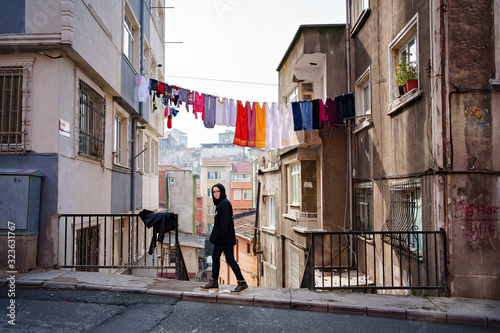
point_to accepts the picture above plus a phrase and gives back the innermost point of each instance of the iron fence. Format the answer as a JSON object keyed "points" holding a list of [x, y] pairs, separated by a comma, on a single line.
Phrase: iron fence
{"points": [[117, 241], [414, 261]]}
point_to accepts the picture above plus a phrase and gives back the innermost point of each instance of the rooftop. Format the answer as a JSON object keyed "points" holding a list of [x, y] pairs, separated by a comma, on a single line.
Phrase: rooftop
{"points": [[244, 224]]}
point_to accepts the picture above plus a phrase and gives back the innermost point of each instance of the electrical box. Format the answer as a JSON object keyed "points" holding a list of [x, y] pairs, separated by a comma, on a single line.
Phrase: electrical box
{"points": [[20, 200]]}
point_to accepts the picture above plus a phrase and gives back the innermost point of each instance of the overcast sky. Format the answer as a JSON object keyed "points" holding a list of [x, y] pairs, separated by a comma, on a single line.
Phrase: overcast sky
{"points": [[234, 41]]}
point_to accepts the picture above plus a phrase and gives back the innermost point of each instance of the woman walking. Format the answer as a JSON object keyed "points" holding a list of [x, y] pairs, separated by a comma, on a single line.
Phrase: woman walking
{"points": [[224, 239]]}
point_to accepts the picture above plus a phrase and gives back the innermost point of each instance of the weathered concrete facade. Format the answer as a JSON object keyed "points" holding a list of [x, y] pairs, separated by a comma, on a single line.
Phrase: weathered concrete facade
{"points": [[440, 136]]}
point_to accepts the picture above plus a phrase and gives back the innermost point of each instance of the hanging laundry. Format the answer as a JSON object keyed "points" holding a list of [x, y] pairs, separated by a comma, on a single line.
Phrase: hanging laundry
{"points": [[153, 84], [143, 90], [316, 119], [165, 113], [161, 88], [232, 113], [322, 112], [241, 131], [210, 109], [345, 107], [277, 126], [331, 111], [199, 105], [190, 99], [182, 95], [297, 116], [219, 111], [288, 135], [252, 118], [273, 127], [175, 93], [306, 109], [260, 125], [225, 112]]}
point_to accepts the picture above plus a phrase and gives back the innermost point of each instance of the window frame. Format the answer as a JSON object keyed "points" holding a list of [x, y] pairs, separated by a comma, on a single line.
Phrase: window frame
{"points": [[237, 194], [362, 112], [247, 194], [270, 212], [363, 195], [128, 39], [17, 74], [27, 66], [89, 113], [153, 157], [402, 39]]}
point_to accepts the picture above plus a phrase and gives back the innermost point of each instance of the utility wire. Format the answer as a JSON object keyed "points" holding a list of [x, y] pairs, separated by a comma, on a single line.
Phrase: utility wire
{"points": [[207, 79]]}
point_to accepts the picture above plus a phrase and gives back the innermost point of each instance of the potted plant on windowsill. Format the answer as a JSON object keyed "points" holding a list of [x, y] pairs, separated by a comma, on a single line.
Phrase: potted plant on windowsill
{"points": [[406, 76], [400, 76], [411, 77]]}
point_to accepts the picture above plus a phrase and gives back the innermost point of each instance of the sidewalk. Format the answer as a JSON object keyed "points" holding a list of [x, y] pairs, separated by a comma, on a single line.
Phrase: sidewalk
{"points": [[466, 311]]}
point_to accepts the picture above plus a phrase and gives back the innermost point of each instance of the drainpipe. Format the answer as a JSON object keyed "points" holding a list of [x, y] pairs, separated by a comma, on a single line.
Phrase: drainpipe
{"points": [[349, 141], [134, 137]]}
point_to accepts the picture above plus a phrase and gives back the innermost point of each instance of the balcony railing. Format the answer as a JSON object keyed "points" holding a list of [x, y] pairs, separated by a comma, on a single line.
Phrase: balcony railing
{"points": [[92, 242], [412, 261]]}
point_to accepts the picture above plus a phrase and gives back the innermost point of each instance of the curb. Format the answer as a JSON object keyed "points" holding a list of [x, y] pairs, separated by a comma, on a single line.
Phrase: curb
{"points": [[331, 307]]}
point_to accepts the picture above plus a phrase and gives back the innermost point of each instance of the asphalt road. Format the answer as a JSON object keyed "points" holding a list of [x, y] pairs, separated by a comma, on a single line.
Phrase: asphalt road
{"points": [[51, 310]]}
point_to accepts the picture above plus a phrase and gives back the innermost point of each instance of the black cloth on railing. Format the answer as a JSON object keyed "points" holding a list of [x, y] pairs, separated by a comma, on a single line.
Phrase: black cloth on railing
{"points": [[161, 223]]}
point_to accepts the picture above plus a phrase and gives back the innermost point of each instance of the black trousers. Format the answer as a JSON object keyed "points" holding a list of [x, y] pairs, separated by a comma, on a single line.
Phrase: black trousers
{"points": [[228, 253]]}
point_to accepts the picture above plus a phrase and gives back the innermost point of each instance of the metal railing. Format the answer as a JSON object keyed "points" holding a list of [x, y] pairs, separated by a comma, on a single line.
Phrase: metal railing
{"points": [[117, 241], [379, 260]]}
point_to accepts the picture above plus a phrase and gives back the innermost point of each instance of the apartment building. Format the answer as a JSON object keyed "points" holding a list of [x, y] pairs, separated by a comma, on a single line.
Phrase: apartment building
{"points": [[70, 109]]}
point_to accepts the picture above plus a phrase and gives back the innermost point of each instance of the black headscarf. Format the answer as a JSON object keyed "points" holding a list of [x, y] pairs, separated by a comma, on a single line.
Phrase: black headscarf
{"points": [[222, 194]]}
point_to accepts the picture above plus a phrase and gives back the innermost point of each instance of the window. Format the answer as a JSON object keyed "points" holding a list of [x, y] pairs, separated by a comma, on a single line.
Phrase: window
{"points": [[153, 157], [139, 156], [295, 183], [117, 139], [237, 194], [249, 248], [405, 215], [146, 153], [92, 122], [243, 178], [209, 192], [172, 180], [271, 212], [247, 194], [11, 110], [128, 39], [364, 207], [211, 210], [404, 49], [214, 175], [363, 97]]}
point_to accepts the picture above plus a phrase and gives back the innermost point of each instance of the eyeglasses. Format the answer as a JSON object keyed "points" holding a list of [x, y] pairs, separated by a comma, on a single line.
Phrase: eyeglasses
{"points": [[216, 191]]}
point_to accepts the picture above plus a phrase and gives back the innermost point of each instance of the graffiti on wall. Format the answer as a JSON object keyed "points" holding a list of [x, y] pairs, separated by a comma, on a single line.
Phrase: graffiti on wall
{"points": [[478, 222]]}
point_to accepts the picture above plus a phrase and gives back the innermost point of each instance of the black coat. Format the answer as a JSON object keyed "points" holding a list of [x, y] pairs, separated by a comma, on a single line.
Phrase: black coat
{"points": [[161, 223], [223, 234]]}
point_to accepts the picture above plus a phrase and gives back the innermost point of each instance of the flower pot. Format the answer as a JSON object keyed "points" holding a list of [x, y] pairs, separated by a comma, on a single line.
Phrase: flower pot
{"points": [[401, 90], [411, 84]]}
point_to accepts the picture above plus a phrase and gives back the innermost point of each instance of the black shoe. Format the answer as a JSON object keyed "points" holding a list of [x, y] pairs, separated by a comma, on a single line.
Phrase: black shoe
{"points": [[213, 284], [241, 287]]}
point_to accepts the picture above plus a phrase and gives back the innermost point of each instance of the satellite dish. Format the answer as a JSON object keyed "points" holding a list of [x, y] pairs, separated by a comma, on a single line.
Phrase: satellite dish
{"points": [[263, 158]]}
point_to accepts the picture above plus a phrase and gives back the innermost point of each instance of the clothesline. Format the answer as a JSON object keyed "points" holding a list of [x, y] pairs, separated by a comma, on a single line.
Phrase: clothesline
{"points": [[262, 125]]}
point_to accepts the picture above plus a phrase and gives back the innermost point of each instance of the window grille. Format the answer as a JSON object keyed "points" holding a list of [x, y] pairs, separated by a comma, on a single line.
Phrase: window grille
{"points": [[12, 135], [405, 215], [92, 122]]}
